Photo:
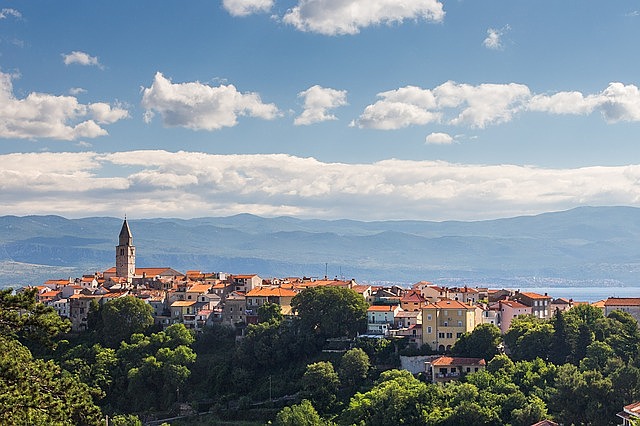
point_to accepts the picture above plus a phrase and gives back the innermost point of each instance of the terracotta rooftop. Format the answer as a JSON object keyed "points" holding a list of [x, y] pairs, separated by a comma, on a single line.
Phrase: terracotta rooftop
{"points": [[534, 295], [180, 303], [449, 360], [448, 304], [271, 292], [513, 304], [622, 301], [382, 308]]}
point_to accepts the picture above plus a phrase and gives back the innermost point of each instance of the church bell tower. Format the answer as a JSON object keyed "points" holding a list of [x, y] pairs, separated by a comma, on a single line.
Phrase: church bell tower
{"points": [[125, 254]]}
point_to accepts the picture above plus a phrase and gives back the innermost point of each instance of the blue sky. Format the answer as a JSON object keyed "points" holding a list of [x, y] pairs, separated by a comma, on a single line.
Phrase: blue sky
{"points": [[363, 109]]}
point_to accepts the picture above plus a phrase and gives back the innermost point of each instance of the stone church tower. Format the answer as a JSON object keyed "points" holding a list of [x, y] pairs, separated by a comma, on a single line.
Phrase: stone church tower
{"points": [[125, 254]]}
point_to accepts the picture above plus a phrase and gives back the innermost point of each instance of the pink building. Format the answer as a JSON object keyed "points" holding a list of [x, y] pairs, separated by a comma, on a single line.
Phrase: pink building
{"points": [[509, 309]]}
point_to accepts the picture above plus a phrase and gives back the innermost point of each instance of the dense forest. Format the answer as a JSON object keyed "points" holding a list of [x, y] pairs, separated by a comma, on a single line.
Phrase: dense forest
{"points": [[578, 368]]}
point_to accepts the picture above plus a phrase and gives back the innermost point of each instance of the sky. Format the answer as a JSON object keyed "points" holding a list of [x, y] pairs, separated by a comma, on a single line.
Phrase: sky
{"points": [[330, 109]]}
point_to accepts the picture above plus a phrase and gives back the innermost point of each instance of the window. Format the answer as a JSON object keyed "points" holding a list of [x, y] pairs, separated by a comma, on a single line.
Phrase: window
{"points": [[459, 323], [468, 369], [458, 335], [429, 330], [453, 369], [446, 313], [459, 313], [429, 317], [446, 323], [441, 335], [449, 335]]}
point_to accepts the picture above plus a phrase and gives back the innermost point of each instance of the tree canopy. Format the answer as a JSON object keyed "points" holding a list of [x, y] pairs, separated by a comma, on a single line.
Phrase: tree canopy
{"points": [[123, 317], [330, 311]]}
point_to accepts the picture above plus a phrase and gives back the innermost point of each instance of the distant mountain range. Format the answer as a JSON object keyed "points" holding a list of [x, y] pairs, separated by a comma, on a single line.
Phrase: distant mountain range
{"points": [[586, 246]]}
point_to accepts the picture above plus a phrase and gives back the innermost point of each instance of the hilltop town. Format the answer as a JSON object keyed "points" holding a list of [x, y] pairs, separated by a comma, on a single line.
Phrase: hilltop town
{"points": [[425, 314]]}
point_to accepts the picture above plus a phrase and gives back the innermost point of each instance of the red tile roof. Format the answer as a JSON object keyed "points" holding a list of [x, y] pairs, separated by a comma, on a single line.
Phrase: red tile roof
{"points": [[382, 308], [622, 301], [535, 295], [448, 304], [271, 292], [513, 304], [448, 360]]}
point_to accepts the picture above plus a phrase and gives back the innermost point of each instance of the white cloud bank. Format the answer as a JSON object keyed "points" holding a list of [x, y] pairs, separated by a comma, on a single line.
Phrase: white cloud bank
{"points": [[317, 102], [339, 17], [247, 7], [197, 106], [41, 115], [80, 58], [190, 184], [488, 104]]}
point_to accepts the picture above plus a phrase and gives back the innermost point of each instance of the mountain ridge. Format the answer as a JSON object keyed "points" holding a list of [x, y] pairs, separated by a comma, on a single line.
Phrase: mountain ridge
{"points": [[585, 244]]}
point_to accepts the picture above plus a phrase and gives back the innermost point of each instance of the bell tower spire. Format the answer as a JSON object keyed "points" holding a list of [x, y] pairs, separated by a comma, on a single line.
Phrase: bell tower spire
{"points": [[125, 253]]}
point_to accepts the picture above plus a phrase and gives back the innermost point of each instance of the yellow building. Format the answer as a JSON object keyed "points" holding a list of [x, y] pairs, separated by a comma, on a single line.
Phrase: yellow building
{"points": [[444, 322]]}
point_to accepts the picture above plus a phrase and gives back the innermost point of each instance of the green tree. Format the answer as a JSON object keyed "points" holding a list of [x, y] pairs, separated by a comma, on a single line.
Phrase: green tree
{"points": [[501, 365], [93, 365], [482, 342], [33, 391], [329, 311], [123, 317], [354, 367], [152, 369], [472, 414], [597, 355], [125, 420], [583, 397], [534, 411], [529, 338], [21, 317], [561, 345], [320, 384], [270, 312], [302, 414], [623, 335], [397, 398]]}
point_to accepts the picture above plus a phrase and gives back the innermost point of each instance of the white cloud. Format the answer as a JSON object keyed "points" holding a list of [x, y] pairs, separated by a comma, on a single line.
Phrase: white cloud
{"points": [[317, 101], [564, 103], [439, 139], [105, 114], [197, 106], [247, 7], [489, 104], [41, 115], [6, 12], [494, 38], [191, 184], [77, 91], [484, 104], [336, 17], [478, 106], [618, 102], [80, 58]]}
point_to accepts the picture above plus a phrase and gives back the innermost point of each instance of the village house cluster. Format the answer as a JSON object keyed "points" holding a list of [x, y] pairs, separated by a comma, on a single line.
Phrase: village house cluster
{"points": [[424, 314]]}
